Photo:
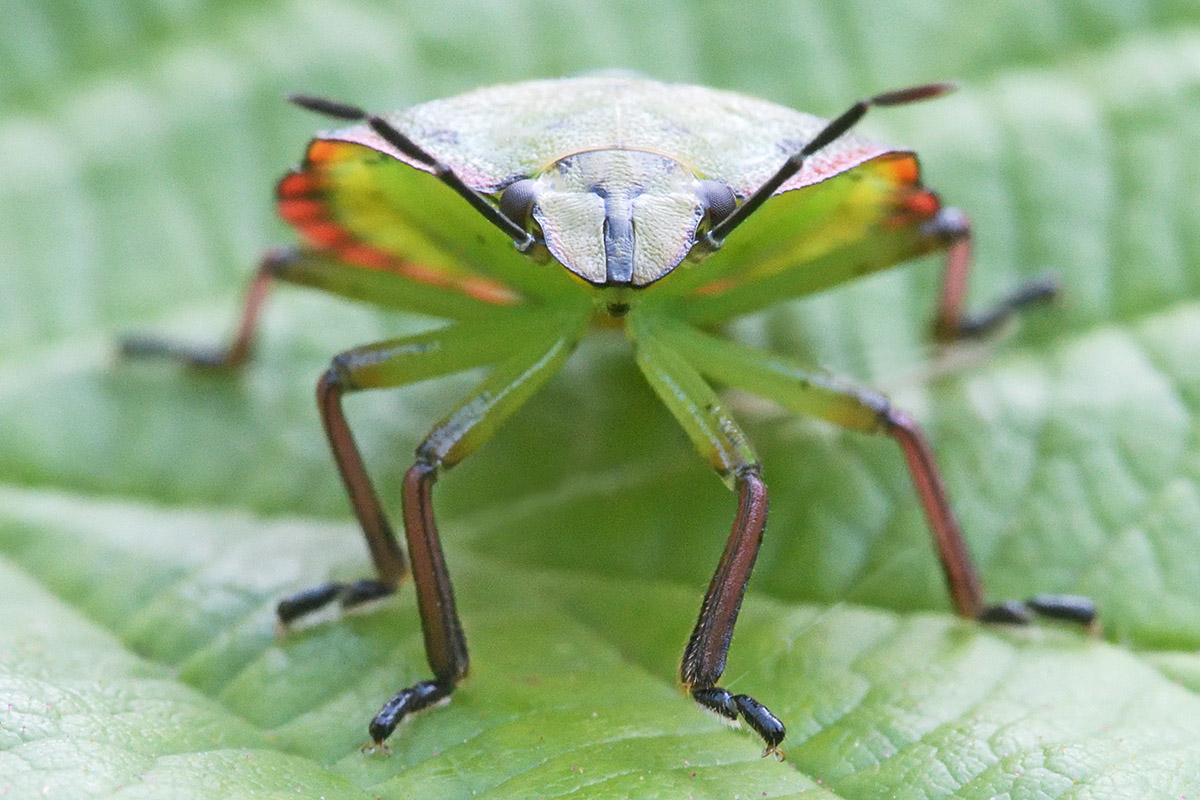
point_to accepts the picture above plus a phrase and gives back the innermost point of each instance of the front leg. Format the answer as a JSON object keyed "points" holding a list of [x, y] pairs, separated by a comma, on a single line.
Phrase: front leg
{"points": [[704, 657], [540, 353], [384, 365], [445, 643], [719, 439]]}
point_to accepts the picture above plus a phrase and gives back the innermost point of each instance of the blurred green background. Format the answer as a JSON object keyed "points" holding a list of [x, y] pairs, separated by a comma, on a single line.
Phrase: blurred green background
{"points": [[149, 518]]}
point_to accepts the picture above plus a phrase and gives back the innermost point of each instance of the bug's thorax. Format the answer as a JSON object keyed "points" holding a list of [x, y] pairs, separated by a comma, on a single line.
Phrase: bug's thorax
{"points": [[617, 217]]}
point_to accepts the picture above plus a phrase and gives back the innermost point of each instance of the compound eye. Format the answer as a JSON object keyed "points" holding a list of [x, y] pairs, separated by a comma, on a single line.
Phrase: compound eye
{"points": [[718, 199], [516, 201]]}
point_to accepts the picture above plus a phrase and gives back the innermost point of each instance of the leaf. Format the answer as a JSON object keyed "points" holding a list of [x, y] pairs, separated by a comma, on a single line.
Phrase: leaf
{"points": [[150, 518]]}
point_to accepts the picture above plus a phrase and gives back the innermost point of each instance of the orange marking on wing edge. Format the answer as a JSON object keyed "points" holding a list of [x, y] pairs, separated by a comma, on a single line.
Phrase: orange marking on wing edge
{"points": [[912, 208], [302, 204], [904, 168], [324, 234], [925, 204], [366, 256], [329, 236], [489, 291], [323, 150], [298, 184], [422, 273], [299, 211]]}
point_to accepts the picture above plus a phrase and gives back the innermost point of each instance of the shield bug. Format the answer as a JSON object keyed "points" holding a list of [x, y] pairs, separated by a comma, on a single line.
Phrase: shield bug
{"points": [[527, 214]]}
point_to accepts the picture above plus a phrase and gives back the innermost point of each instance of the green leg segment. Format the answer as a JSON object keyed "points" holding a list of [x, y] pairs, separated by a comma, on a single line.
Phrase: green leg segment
{"points": [[538, 354], [844, 404], [718, 439], [320, 271], [949, 229]]}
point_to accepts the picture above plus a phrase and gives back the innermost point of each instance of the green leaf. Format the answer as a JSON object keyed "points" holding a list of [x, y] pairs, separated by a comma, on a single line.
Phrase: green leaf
{"points": [[150, 517]]}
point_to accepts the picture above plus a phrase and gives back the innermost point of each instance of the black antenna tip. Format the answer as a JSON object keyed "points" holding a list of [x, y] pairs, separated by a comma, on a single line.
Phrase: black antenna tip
{"points": [[913, 94], [330, 108]]}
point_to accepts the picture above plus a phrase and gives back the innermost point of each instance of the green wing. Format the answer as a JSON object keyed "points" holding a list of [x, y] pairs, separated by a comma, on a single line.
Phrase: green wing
{"points": [[373, 210], [808, 239]]}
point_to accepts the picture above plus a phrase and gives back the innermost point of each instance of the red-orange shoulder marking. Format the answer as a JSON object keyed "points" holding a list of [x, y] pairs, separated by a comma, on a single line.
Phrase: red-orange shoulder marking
{"points": [[303, 204]]}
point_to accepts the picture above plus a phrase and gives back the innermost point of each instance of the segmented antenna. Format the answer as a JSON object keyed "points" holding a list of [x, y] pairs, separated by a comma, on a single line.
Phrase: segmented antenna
{"points": [[835, 128], [338, 110]]}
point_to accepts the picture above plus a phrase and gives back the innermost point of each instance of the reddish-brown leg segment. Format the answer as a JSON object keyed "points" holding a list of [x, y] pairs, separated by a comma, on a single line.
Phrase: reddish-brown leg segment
{"points": [[962, 579], [382, 365], [707, 647], [318, 270], [238, 351], [386, 555], [445, 644], [704, 657], [966, 590], [718, 438]]}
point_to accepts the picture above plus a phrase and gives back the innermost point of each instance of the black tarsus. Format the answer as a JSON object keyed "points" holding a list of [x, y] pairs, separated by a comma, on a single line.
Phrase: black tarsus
{"points": [[1038, 289], [416, 698], [348, 595], [732, 706], [1072, 608], [764, 723], [717, 700], [1067, 607], [297, 605]]}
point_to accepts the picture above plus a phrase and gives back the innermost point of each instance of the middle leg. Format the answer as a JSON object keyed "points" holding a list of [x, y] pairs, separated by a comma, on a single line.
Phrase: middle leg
{"points": [[390, 364], [853, 407]]}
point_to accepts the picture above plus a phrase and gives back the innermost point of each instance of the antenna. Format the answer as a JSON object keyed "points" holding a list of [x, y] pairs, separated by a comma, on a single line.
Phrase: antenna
{"points": [[717, 235], [338, 110]]}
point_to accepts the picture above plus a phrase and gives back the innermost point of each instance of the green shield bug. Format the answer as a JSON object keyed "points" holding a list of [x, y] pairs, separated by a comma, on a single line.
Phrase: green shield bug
{"points": [[527, 214]]}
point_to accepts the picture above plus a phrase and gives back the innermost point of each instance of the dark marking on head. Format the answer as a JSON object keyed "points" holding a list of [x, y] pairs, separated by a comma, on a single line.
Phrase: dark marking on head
{"points": [[617, 309]]}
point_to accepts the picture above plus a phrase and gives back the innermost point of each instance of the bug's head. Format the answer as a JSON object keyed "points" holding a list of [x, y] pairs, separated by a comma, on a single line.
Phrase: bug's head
{"points": [[617, 217]]}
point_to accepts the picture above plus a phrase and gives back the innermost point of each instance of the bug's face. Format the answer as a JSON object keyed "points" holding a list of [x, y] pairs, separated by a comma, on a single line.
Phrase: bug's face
{"points": [[617, 217]]}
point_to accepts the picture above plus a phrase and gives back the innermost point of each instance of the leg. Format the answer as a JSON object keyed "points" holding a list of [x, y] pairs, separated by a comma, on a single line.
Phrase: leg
{"points": [[718, 438], [386, 365], [475, 420], [852, 407], [445, 644], [310, 268], [704, 657], [952, 322], [237, 352]]}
